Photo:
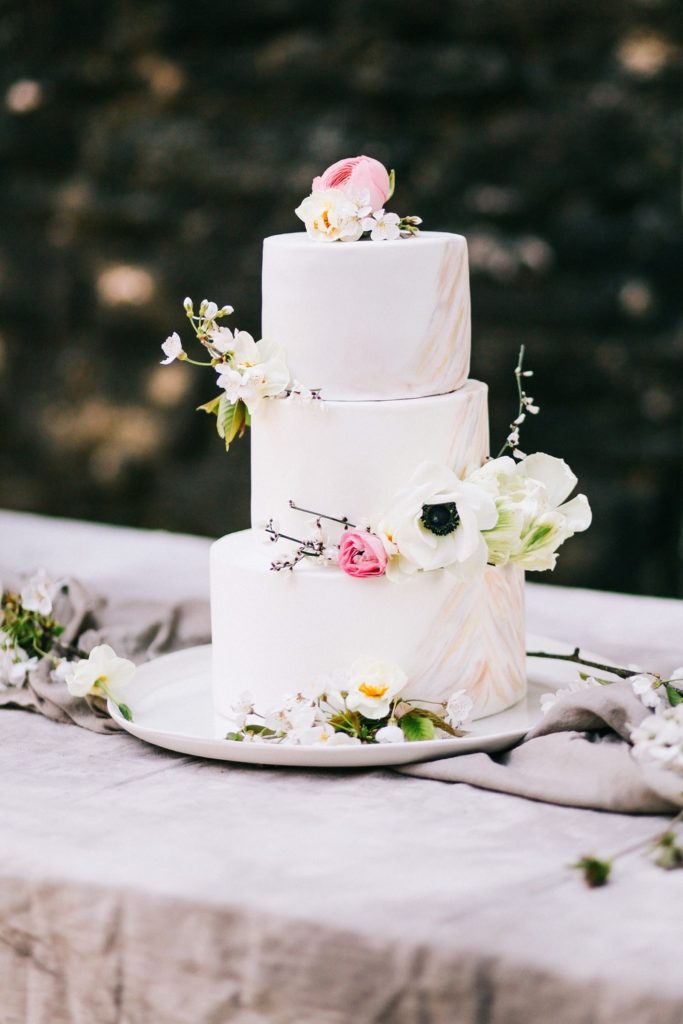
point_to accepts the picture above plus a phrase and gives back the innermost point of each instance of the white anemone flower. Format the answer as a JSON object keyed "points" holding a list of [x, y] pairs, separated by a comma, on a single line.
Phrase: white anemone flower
{"points": [[436, 522], [331, 215], [534, 517], [172, 348], [102, 673], [37, 593], [372, 685]]}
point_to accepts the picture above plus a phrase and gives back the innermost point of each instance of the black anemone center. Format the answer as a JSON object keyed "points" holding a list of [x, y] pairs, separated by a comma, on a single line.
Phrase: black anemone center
{"points": [[440, 519]]}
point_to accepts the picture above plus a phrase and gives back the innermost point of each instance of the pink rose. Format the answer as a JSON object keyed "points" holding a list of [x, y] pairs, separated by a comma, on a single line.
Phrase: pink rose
{"points": [[362, 554], [360, 173]]}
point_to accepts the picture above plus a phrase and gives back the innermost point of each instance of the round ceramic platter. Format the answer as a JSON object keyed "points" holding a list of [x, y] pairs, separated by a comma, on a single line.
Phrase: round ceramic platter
{"points": [[171, 705]]}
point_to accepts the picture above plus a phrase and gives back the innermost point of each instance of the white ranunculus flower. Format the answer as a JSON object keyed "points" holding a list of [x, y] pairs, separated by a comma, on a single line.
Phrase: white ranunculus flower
{"points": [[331, 215], [642, 687], [459, 707], [534, 517], [390, 734], [659, 739], [436, 522], [172, 348], [15, 664], [372, 685], [102, 672], [37, 593]]}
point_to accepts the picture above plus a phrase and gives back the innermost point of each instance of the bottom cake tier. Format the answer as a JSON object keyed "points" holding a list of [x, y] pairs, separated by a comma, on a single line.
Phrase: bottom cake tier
{"points": [[276, 633]]}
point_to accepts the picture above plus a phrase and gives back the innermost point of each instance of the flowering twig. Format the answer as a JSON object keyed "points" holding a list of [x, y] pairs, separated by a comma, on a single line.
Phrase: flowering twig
{"points": [[344, 520], [526, 406], [575, 658], [597, 870]]}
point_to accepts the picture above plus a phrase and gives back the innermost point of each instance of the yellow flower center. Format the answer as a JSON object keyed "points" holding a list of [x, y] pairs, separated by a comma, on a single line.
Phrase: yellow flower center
{"points": [[372, 691]]}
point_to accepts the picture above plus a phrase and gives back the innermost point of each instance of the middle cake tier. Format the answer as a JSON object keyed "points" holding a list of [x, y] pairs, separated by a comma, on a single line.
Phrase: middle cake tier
{"points": [[351, 458]]}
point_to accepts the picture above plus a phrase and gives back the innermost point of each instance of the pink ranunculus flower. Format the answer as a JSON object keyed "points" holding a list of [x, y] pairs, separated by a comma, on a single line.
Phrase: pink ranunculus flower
{"points": [[362, 554], [359, 173]]}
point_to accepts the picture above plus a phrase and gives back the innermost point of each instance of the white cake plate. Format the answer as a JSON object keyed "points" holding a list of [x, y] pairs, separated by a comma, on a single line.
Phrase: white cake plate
{"points": [[171, 704]]}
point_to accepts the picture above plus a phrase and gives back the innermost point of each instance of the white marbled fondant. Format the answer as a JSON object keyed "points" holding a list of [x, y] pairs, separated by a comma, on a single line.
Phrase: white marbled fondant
{"points": [[351, 458], [276, 633], [370, 320]]}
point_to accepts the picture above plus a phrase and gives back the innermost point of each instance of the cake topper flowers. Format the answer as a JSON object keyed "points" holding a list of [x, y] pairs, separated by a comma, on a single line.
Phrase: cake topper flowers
{"points": [[347, 201]]}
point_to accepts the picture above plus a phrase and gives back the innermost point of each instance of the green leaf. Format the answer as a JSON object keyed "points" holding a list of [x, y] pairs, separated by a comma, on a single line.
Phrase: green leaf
{"points": [[417, 725], [441, 723], [347, 721], [126, 712], [674, 695], [211, 406], [230, 420], [598, 679], [259, 730], [237, 736]]}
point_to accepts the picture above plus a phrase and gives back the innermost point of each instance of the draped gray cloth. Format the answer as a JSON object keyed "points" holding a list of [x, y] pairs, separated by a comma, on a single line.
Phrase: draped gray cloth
{"points": [[138, 628], [578, 755]]}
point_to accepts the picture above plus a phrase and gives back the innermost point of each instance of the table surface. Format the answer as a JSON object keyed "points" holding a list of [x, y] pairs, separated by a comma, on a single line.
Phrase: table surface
{"points": [[139, 886]]}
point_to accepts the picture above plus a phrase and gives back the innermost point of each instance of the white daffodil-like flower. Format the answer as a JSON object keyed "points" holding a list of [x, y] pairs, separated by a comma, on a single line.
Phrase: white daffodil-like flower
{"points": [[323, 735], [222, 340], [331, 215], [258, 370], [383, 227], [172, 348], [15, 665], [436, 522], [390, 734], [372, 685], [659, 739], [37, 593], [643, 687], [102, 673], [459, 707], [534, 518], [548, 700]]}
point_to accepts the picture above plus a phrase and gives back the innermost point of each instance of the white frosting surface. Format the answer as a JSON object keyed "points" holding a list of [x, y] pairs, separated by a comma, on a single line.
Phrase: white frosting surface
{"points": [[351, 458], [370, 320], [277, 633]]}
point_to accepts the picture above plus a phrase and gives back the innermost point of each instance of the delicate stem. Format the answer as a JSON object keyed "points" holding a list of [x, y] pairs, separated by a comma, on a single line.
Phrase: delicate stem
{"points": [[321, 515], [651, 840], [576, 659], [276, 535], [520, 393], [195, 362]]}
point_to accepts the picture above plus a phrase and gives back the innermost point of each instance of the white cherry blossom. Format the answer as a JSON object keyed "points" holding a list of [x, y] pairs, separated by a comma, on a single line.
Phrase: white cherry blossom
{"points": [[36, 595], [172, 348]]}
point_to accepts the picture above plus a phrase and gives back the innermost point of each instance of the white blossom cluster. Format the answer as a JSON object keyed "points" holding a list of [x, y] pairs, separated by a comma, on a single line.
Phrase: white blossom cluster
{"points": [[370, 689], [15, 663], [658, 740]]}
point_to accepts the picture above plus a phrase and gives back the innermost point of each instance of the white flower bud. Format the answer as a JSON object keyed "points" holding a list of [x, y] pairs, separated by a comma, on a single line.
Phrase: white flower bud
{"points": [[187, 303]]}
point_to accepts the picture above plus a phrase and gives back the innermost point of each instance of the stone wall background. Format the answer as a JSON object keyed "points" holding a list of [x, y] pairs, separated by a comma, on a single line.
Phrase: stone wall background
{"points": [[147, 147]]}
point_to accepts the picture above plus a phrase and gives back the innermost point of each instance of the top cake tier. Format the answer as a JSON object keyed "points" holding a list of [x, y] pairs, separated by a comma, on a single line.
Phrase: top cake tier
{"points": [[370, 321]]}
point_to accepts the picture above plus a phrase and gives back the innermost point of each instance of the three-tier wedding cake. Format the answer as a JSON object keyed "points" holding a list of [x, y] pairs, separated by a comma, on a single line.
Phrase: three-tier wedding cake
{"points": [[382, 532]]}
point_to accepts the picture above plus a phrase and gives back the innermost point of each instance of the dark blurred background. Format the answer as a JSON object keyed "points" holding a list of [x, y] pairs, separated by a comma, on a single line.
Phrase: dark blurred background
{"points": [[147, 148]]}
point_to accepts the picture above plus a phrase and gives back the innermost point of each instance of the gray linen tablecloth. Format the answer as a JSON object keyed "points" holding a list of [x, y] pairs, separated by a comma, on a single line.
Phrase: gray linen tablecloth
{"points": [[142, 887]]}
